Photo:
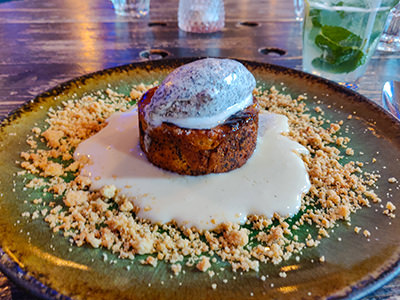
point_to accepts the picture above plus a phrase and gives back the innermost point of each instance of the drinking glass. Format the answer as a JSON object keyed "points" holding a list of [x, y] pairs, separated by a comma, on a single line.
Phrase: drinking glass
{"points": [[133, 8], [339, 37], [202, 16], [390, 39]]}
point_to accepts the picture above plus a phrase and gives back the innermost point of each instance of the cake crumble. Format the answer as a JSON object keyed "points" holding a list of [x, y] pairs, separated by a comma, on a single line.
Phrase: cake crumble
{"points": [[107, 219]]}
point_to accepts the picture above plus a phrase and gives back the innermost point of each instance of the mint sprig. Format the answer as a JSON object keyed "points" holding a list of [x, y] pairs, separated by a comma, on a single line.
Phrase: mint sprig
{"points": [[341, 50]]}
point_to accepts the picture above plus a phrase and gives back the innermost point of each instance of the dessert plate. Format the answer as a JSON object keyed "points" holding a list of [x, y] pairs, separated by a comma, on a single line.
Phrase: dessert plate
{"points": [[48, 266]]}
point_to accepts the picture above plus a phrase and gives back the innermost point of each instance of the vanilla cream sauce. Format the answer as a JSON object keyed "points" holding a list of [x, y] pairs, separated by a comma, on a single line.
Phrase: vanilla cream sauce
{"points": [[272, 180]]}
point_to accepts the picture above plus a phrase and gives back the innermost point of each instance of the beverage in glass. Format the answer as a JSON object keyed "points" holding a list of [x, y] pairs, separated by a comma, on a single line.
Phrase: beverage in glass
{"points": [[339, 37]]}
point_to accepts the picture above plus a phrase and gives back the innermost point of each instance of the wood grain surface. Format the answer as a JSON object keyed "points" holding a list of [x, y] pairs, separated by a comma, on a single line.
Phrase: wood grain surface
{"points": [[44, 43]]}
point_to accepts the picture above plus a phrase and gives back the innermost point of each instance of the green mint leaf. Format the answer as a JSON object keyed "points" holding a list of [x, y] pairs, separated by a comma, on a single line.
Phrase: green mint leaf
{"points": [[341, 36], [342, 14], [315, 16], [341, 50]]}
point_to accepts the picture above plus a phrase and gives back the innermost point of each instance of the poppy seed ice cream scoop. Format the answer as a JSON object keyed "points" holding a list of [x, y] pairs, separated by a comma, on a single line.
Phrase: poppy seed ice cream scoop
{"points": [[201, 94]]}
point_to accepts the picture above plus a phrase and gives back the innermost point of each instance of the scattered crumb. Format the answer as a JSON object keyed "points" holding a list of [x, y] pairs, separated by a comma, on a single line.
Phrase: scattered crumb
{"points": [[204, 264], [176, 269], [389, 211], [150, 260], [366, 233], [390, 206], [106, 219], [282, 274], [349, 151]]}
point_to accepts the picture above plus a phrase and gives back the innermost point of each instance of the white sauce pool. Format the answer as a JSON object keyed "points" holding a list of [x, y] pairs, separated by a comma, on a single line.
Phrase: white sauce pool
{"points": [[272, 180]]}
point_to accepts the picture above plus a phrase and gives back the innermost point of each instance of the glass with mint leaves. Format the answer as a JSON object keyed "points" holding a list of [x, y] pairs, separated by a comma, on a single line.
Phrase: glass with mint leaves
{"points": [[339, 37]]}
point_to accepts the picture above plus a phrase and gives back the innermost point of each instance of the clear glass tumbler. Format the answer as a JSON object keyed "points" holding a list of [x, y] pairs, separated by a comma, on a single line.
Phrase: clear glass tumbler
{"points": [[133, 8], [390, 39], [202, 16]]}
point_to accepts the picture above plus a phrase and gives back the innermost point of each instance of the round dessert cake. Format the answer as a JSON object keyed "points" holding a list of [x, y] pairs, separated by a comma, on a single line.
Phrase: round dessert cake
{"points": [[199, 151], [202, 118]]}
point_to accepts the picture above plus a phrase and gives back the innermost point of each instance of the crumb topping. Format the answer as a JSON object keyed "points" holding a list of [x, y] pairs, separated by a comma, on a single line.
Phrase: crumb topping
{"points": [[106, 219]]}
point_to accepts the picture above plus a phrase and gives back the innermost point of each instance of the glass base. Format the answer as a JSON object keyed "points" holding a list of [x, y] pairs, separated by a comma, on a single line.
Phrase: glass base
{"points": [[202, 28], [131, 13], [351, 82], [299, 18], [131, 8], [299, 9], [350, 85], [389, 43]]}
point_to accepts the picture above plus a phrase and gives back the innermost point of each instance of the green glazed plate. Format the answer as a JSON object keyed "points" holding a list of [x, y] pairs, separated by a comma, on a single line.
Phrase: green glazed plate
{"points": [[47, 265]]}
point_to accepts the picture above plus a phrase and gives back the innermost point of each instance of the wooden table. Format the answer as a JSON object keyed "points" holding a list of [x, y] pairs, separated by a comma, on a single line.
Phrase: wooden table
{"points": [[44, 43]]}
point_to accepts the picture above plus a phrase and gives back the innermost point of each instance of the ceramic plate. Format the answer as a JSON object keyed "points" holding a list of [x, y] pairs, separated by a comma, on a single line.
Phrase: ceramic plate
{"points": [[48, 266]]}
